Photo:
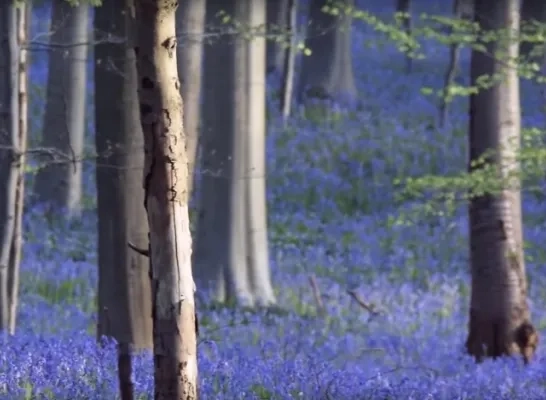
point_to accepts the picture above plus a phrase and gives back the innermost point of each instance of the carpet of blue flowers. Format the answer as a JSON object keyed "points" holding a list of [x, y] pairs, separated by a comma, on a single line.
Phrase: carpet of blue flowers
{"points": [[332, 205]]}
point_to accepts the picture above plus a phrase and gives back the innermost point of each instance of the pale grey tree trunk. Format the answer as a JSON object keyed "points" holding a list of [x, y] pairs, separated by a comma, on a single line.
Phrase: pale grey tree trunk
{"points": [[124, 302], [166, 202], [13, 137], [59, 181], [277, 29], [237, 270], [328, 72], [255, 179], [190, 25], [289, 67], [500, 322]]}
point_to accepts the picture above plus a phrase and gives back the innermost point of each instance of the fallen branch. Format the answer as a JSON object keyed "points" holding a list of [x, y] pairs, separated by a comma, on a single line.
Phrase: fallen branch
{"points": [[316, 294], [143, 252], [368, 307]]}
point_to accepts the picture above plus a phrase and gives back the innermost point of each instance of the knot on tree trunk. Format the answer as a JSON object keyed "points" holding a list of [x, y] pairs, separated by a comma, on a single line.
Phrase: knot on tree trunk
{"points": [[526, 338]]}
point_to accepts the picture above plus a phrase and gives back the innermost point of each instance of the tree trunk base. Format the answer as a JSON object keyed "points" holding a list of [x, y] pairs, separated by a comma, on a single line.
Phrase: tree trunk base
{"points": [[497, 338], [124, 372]]}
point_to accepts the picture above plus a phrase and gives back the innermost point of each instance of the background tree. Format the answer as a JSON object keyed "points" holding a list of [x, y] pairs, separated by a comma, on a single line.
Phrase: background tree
{"points": [[232, 213], [277, 27], [190, 26], [124, 303], [13, 139], [166, 202], [532, 12], [59, 181], [328, 72], [289, 62], [462, 10], [403, 8], [500, 322]]}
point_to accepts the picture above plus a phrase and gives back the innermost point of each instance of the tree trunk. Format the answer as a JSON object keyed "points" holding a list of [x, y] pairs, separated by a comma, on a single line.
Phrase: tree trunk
{"points": [[221, 224], [124, 301], [276, 29], [166, 202], [499, 314], [59, 181], [289, 66], [403, 7], [13, 118], [190, 25], [453, 64], [533, 11], [232, 216], [255, 176], [328, 72]]}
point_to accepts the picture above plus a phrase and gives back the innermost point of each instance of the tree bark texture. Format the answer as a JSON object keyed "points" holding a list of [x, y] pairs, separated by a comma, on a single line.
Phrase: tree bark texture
{"points": [[166, 202], [500, 321], [13, 136]]}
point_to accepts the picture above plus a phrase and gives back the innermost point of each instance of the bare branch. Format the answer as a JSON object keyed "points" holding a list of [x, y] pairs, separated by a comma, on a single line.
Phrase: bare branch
{"points": [[143, 252]]}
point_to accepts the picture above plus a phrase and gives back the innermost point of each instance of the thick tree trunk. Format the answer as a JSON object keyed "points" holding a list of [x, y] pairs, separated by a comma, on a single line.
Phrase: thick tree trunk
{"points": [[255, 176], [60, 179], [277, 27], [124, 301], [232, 217], [166, 202], [190, 25], [13, 117], [328, 72], [499, 314]]}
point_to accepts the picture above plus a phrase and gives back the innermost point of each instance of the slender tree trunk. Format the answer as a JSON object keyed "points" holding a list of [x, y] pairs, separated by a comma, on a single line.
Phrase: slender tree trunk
{"points": [[190, 26], [59, 181], [256, 230], [13, 113], [451, 72], [328, 72], [289, 66], [124, 302], [403, 6], [500, 321], [166, 202], [276, 29]]}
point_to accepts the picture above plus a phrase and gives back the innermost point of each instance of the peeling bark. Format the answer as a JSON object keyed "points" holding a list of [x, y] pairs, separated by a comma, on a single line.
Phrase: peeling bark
{"points": [[166, 202]]}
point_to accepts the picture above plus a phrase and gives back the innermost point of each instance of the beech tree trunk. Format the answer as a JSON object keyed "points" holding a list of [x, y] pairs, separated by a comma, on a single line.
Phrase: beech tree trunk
{"points": [[13, 136], [166, 202], [59, 182], [190, 26], [124, 301], [328, 72], [500, 321]]}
